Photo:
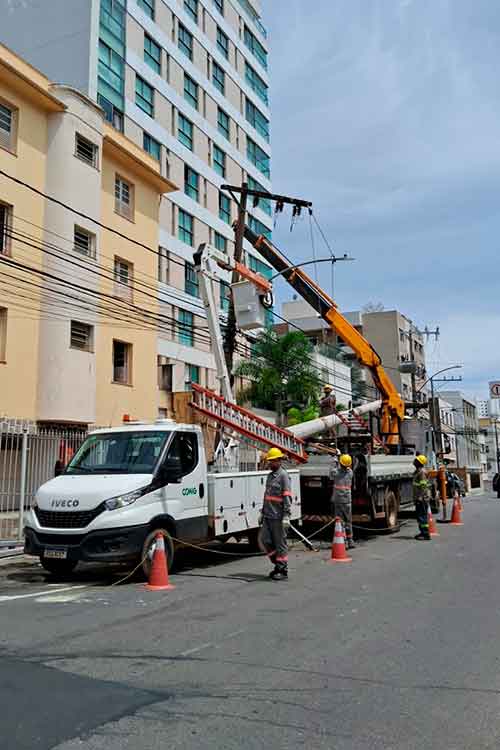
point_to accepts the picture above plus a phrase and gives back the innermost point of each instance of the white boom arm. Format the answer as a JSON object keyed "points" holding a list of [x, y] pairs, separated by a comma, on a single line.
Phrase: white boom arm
{"points": [[322, 424]]}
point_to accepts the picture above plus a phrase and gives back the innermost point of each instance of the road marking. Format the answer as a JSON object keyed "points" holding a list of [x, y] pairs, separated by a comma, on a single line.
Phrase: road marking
{"points": [[10, 598], [195, 650]]}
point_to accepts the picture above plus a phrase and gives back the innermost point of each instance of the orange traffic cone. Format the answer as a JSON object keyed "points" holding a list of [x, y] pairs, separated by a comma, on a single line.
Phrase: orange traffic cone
{"points": [[432, 524], [455, 516], [158, 577], [339, 553]]}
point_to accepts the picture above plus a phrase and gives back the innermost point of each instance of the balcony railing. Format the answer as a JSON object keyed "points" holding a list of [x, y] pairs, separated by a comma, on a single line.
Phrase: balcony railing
{"points": [[253, 15]]}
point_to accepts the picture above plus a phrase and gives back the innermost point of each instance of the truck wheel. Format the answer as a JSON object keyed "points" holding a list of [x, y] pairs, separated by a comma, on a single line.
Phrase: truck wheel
{"points": [[148, 550], [58, 567], [391, 512]]}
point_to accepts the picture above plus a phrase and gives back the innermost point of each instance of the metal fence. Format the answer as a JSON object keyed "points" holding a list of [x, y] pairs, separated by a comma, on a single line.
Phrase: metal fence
{"points": [[28, 458]]}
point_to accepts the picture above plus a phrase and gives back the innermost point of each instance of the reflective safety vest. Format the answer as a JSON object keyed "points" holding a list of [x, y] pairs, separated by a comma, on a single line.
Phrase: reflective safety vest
{"points": [[342, 485], [277, 495], [421, 486]]}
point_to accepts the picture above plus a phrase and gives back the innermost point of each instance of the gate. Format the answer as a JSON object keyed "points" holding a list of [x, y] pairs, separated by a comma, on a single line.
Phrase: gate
{"points": [[29, 456]]}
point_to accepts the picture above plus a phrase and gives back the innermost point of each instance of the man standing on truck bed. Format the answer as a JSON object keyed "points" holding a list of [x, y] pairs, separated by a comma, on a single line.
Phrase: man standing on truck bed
{"points": [[275, 514], [421, 493], [342, 495]]}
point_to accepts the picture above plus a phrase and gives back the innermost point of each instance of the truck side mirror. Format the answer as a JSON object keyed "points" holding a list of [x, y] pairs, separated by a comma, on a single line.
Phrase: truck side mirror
{"points": [[59, 468], [170, 472]]}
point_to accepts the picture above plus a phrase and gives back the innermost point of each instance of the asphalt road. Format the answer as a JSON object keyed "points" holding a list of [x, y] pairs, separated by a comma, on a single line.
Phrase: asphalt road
{"points": [[399, 649]]}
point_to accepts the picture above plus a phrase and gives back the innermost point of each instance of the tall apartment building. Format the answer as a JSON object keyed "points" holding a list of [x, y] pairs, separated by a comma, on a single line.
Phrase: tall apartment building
{"points": [[78, 294], [187, 81]]}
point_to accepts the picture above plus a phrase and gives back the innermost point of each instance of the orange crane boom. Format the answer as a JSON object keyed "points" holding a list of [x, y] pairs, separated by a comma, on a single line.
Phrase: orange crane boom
{"points": [[393, 408]]}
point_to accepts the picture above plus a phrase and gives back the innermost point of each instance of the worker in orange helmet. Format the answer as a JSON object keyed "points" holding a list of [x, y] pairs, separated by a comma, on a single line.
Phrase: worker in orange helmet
{"points": [[275, 514]]}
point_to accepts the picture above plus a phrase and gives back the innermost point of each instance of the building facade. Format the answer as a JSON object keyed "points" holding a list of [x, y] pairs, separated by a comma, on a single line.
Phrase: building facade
{"points": [[490, 429], [186, 81], [79, 208], [468, 447]]}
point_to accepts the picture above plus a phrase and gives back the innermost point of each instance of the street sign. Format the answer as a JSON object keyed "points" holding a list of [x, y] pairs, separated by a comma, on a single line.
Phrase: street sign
{"points": [[495, 389]]}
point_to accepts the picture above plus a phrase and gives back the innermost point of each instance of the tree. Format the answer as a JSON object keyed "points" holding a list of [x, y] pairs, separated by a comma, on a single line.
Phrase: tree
{"points": [[280, 372]]}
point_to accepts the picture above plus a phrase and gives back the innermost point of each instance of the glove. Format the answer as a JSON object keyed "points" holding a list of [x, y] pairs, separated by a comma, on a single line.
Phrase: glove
{"points": [[260, 519], [286, 522]]}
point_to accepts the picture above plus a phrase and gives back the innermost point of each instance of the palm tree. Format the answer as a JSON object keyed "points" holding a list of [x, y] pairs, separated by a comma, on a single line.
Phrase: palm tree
{"points": [[280, 372]]}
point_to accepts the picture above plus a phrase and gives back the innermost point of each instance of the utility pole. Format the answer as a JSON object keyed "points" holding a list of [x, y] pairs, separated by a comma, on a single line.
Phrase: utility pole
{"points": [[413, 373], [496, 442], [239, 232]]}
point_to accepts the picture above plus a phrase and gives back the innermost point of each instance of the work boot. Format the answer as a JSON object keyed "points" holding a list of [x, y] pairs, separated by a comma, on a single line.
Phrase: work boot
{"points": [[350, 544], [279, 575], [423, 537], [273, 572]]}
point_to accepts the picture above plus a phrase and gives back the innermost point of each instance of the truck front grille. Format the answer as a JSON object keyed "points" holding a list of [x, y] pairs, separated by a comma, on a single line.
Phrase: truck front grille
{"points": [[54, 519]]}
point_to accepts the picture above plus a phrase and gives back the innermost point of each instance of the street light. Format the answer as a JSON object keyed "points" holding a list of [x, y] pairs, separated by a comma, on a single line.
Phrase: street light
{"points": [[432, 409]]}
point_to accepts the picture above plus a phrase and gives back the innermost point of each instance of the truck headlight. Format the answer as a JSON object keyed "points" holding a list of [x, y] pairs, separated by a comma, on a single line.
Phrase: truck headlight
{"points": [[126, 499]]}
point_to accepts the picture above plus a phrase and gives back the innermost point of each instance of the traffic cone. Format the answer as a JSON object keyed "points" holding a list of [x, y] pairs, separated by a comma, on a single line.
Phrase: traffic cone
{"points": [[158, 577], [455, 516], [433, 531], [339, 553]]}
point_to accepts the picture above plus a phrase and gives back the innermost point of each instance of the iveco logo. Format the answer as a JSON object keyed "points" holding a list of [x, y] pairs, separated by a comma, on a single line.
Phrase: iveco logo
{"points": [[65, 503]]}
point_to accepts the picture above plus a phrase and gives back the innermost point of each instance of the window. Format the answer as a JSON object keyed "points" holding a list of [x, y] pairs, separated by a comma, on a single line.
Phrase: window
{"points": [[257, 119], [86, 150], [184, 452], [152, 54], [191, 183], [84, 242], [219, 161], [192, 376], [81, 336], [258, 227], [124, 198], [122, 362], [223, 123], [186, 232], [191, 8], [218, 78], [185, 41], [123, 272], [258, 266], [148, 7], [255, 47], [224, 208], [262, 203], [190, 91], [191, 282], [222, 43], [163, 265], [225, 296], [219, 4], [111, 113], [152, 146], [3, 334], [165, 375], [185, 131], [8, 126], [5, 227], [144, 96], [220, 242], [258, 157], [256, 83], [186, 333]]}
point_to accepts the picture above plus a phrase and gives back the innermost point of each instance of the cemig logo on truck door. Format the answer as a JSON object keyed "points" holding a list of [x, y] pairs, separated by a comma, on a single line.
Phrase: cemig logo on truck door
{"points": [[65, 503], [189, 491]]}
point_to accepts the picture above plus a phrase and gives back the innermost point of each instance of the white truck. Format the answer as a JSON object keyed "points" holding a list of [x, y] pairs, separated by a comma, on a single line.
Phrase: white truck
{"points": [[126, 483]]}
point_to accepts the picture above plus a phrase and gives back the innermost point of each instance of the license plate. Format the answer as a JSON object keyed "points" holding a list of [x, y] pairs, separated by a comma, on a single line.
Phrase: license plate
{"points": [[58, 553]]}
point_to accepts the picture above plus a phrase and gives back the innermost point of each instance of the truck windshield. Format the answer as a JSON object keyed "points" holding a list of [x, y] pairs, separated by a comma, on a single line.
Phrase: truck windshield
{"points": [[119, 453]]}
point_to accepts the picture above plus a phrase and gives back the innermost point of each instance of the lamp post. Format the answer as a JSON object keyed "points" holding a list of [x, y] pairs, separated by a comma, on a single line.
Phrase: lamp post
{"points": [[433, 406]]}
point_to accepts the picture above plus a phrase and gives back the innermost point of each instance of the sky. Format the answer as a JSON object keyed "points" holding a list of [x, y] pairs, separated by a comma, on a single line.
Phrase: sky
{"points": [[386, 115]]}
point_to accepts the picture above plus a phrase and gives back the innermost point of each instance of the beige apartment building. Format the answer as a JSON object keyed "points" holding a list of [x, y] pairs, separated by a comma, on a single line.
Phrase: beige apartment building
{"points": [[79, 210], [187, 81]]}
